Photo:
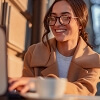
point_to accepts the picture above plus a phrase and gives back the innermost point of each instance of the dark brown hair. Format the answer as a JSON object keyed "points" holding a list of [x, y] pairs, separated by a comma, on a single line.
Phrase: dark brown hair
{"points": [[80, 10]]}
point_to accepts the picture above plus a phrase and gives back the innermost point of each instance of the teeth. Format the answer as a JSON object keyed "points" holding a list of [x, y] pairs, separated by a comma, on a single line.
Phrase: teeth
{"points": [[60, 30]]}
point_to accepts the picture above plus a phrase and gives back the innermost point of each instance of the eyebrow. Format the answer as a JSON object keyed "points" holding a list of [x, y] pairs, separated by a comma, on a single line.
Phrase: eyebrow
{"points": [[62, 13]]}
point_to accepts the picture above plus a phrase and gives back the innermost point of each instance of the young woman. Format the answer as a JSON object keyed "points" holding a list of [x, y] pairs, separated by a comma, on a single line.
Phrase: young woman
{"points": [[67, 55]]}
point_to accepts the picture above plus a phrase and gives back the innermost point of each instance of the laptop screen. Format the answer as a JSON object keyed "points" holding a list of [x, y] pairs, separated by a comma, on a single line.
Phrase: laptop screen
{"points": [[3, 62]]}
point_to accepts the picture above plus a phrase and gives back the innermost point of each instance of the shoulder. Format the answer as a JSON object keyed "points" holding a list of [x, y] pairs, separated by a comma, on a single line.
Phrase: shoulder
{"points": [[85, 56], [41, 46], [35, 47], [38, 54]]}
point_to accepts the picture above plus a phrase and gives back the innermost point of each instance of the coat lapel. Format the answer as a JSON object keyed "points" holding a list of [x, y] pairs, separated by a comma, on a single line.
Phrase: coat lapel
{"points": [[45, 59], [51, 65], [50, 70], [83, 58], [74, 69]]}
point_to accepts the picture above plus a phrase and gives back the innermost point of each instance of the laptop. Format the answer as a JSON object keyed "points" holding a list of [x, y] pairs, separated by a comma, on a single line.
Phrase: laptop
{"points": [[3, 62], [3, 67]]}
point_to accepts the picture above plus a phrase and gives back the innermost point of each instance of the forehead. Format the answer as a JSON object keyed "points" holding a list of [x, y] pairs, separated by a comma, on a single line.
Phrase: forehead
{"points": [[62, 6]]}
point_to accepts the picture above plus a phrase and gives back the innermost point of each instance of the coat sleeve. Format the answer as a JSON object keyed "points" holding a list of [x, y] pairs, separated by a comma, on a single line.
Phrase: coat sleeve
{"points": [[86, 84], [27, 70]]}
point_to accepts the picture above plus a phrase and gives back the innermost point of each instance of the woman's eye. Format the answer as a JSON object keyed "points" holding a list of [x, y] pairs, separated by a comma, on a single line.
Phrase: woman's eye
{"points": [[52, 18], [65, 17]]}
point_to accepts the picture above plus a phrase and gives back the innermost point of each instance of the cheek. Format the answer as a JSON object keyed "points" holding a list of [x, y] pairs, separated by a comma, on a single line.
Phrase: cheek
{"points": [[74, 27], [68, 27]]}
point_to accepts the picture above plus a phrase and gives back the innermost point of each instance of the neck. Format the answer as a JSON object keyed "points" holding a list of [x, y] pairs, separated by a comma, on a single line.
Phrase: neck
{"points": [[67, 48]]}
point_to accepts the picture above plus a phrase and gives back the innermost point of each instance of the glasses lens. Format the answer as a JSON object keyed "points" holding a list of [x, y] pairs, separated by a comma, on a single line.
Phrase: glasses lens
{"points": [[65, 19], [52, 20]]}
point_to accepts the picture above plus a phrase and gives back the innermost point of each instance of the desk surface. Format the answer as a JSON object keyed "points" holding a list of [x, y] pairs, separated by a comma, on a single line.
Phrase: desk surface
{"points": [[35, 96], [66, 97], [73, 97]]}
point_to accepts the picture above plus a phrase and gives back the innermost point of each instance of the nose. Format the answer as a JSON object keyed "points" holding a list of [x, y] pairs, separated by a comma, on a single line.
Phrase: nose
{"points": [[57, 22]]}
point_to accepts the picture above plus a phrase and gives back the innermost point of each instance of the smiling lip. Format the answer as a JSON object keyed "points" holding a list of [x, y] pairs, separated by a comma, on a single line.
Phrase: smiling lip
{"points": [[60, 30]]}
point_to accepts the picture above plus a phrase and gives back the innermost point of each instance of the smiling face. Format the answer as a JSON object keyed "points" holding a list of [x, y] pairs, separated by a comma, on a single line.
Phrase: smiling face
{"points": [[66, 32]]}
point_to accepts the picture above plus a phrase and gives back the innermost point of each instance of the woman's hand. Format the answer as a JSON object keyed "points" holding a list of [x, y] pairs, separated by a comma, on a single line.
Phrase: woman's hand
{"points": [[22, 84]]}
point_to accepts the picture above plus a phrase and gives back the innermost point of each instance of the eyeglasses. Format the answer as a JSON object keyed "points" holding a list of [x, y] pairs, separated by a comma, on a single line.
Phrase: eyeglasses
{"points": [[63, 20]]}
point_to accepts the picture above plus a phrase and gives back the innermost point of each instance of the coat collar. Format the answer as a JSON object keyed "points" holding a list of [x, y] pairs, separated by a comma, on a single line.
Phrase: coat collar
{"points": [[83, 57]]}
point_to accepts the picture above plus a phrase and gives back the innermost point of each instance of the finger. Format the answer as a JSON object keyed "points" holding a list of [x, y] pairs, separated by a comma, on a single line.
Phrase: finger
{"points": [[19, 88], [13, 80], [25, 89], [16, 84]]}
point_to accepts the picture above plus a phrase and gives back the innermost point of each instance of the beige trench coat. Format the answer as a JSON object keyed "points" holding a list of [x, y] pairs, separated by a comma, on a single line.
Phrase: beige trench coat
{"points": [[84, 69]]}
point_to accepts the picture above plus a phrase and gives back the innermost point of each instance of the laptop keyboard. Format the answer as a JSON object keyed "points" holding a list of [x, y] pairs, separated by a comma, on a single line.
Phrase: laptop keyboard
{"points": [[14, 95]]}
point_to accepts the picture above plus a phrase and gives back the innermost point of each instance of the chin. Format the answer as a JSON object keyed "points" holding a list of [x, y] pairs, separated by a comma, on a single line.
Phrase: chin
{"points": [[60, 39]]}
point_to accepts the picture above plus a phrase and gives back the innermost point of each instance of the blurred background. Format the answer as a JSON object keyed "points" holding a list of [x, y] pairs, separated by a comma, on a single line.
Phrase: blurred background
{"points": [[24, 26]]}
